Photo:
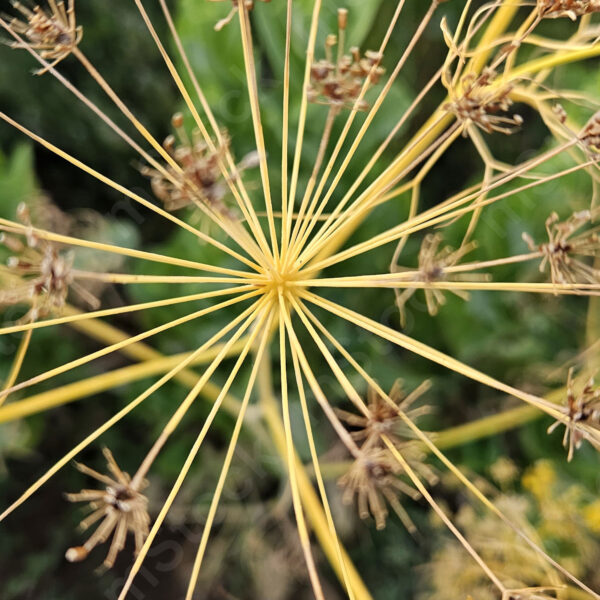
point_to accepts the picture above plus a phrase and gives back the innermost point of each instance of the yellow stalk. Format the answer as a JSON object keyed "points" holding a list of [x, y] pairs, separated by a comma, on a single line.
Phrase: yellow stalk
{"points": [[127, 278], [307, 227], [427, 219], [194, 392], [114, 379], [532, 288], [498, 24], [17, 364], [320, 483], [126, 342], [19, 228], [430, 353], [180, 366], [314, 511], [285, 128], [353, 395], [75, 316], [125, 191], [267, 397], [228, 458], [244, 202], [91, 105], [438, 510], [310, 53], [225, 224], [250, 69]]}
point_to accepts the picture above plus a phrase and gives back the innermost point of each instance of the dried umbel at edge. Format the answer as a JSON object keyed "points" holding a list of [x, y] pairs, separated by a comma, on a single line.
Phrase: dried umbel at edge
{"points": [[374, 476], [554, 9], [53, 32], [567, 246], [582, 410], [199, 177], [338, 82], [120, 507], [434, 262], [40, 275], [483, 104]]}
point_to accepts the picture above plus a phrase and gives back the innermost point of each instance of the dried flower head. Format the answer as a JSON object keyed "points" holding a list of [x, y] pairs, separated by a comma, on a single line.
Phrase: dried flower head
{"points": [[484, 104], [374, 478], [383, 417], [120, 507], [554, 9], [338, 82], [590, 134], [374, 475], [53, 31], [433, 267], [582, 409], [37, 273], [565, 244], [199, 177], [248, 5]]}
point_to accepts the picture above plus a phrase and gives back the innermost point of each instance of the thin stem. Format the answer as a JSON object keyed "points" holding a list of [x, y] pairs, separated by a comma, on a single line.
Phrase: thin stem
{"points": [[285, 129], [127, 278], [291, 459], [225, 224], [129, 341], [248, 50], [136, 197], [228, 458], [91, 105], [310, 53], [195, 448], [116, 311], [439, 215], [243, 201], [302, 219], [430, 353], [19, 228], [438, 510], [383, 281], [250, 316], [179, 367], [372, 112], [431, 446], [345, 577], [89, 67], [354, 397], [17, 364]]}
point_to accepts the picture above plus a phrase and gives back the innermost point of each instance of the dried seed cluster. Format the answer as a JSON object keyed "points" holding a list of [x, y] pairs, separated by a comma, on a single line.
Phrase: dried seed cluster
{"points": [[37, 273], [337, 82], [374, 476], [120, 507], [198, 177], [433, 264], [590, 135], [582, 409], [554, 9], [565, 245], [484, 104], [53, 32]]}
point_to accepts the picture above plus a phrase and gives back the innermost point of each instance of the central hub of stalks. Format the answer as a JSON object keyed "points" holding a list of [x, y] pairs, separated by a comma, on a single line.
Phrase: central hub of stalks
{"points": [[280, 282]]}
